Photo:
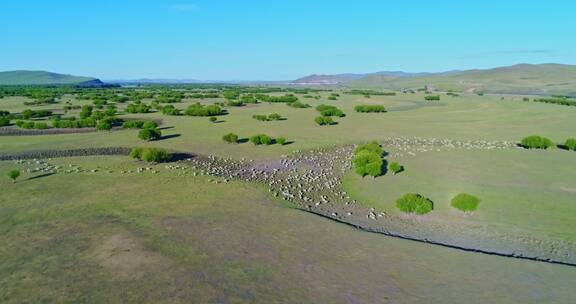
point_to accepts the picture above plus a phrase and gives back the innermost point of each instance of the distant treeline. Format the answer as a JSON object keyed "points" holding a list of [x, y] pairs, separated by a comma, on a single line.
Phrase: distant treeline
{"points": [[369, 92], [559, 100]]}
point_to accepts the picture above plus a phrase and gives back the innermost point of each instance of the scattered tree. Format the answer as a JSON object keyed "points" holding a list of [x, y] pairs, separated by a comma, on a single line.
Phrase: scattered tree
{"points": [[149, 134], [414, 203], [230, 138], [465, 202], [13, 174]]}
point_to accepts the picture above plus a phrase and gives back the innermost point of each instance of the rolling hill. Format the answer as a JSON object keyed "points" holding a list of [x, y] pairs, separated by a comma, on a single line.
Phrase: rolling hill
{"points": [[45, 78], [539, 79]]}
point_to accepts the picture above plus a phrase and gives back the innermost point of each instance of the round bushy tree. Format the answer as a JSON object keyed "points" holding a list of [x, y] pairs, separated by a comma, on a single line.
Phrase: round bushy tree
{"points": [[149, 134], [14, 174], [368, 163], [230, 138], [414, 203], [465, 202], [150, 124]]}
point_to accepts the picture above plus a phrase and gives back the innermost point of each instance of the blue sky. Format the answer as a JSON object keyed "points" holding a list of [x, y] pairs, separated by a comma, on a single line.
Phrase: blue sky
{"points": [[277, 40]]}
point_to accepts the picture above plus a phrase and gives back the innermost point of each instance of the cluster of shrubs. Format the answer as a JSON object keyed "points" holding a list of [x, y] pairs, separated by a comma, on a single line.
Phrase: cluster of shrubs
{"points": [[73, 123], [32, 125], [370, 92], [139, 124], [288, 98], [156, 155], [328, 110], [536, 142], [558, 100], [202, 110], [170, 110], [298, 104], [150, 131], [137, 108], [432, 97], [271, 117], [260, 139], [368, 159], [27, 114], [369, 109], [263, 139], [324, 120]]}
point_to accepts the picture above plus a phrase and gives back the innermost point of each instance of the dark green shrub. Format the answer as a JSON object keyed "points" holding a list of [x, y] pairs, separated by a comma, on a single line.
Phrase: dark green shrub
{"points": [[156, 155], [536, 142], [328, 110], [465, 202], [261, 139], [432, 97], [230, 138], [133, 124], [4, 121], [104, 125], [298, 104], [274, 116], [13, 175], [149, 134], [369, 109], [201, 110], [150, 124], [414, 203], [212, 119], [395, 167], [324, 120]]}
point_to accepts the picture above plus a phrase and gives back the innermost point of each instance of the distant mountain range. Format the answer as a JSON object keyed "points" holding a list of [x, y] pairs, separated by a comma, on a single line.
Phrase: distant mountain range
{"points": [[45, 78], [540, 79]]}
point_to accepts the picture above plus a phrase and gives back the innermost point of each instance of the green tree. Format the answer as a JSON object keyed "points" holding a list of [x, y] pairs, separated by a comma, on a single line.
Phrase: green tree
{"points": [[414, 203], [212, 119], [149, 134], [230, 138], [13, 174]]}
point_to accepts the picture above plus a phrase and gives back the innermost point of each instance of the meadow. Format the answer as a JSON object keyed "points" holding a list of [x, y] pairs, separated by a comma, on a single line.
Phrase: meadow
{"points": [[175, 237], [111, 232]]}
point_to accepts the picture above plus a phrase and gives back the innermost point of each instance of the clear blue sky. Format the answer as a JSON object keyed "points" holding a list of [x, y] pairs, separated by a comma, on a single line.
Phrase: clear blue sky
{"points": [[277, 40]]}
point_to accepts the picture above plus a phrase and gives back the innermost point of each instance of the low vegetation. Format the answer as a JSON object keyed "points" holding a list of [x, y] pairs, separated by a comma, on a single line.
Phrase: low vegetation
{"points": [[414, 203], [230, 138], [536, 142], [328, 110], [324, 120], [155, 155], [465, 202], [369, 109], [395, 167], [570, 144]]}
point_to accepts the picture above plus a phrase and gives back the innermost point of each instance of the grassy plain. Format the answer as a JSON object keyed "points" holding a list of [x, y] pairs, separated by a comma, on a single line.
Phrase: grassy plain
{"points": [[464, 118], [177, 238]]}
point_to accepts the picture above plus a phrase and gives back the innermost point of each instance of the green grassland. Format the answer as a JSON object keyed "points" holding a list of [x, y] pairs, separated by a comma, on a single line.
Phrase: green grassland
{"points": [[529, 191], [469, 117], [172, 237]]}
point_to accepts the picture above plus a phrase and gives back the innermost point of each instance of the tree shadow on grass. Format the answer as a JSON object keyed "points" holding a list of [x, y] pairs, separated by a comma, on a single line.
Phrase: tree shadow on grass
{"points": [[288, 143], [41, 176], [181, 156], [169, 136], [166, 128], [243, 140]]}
